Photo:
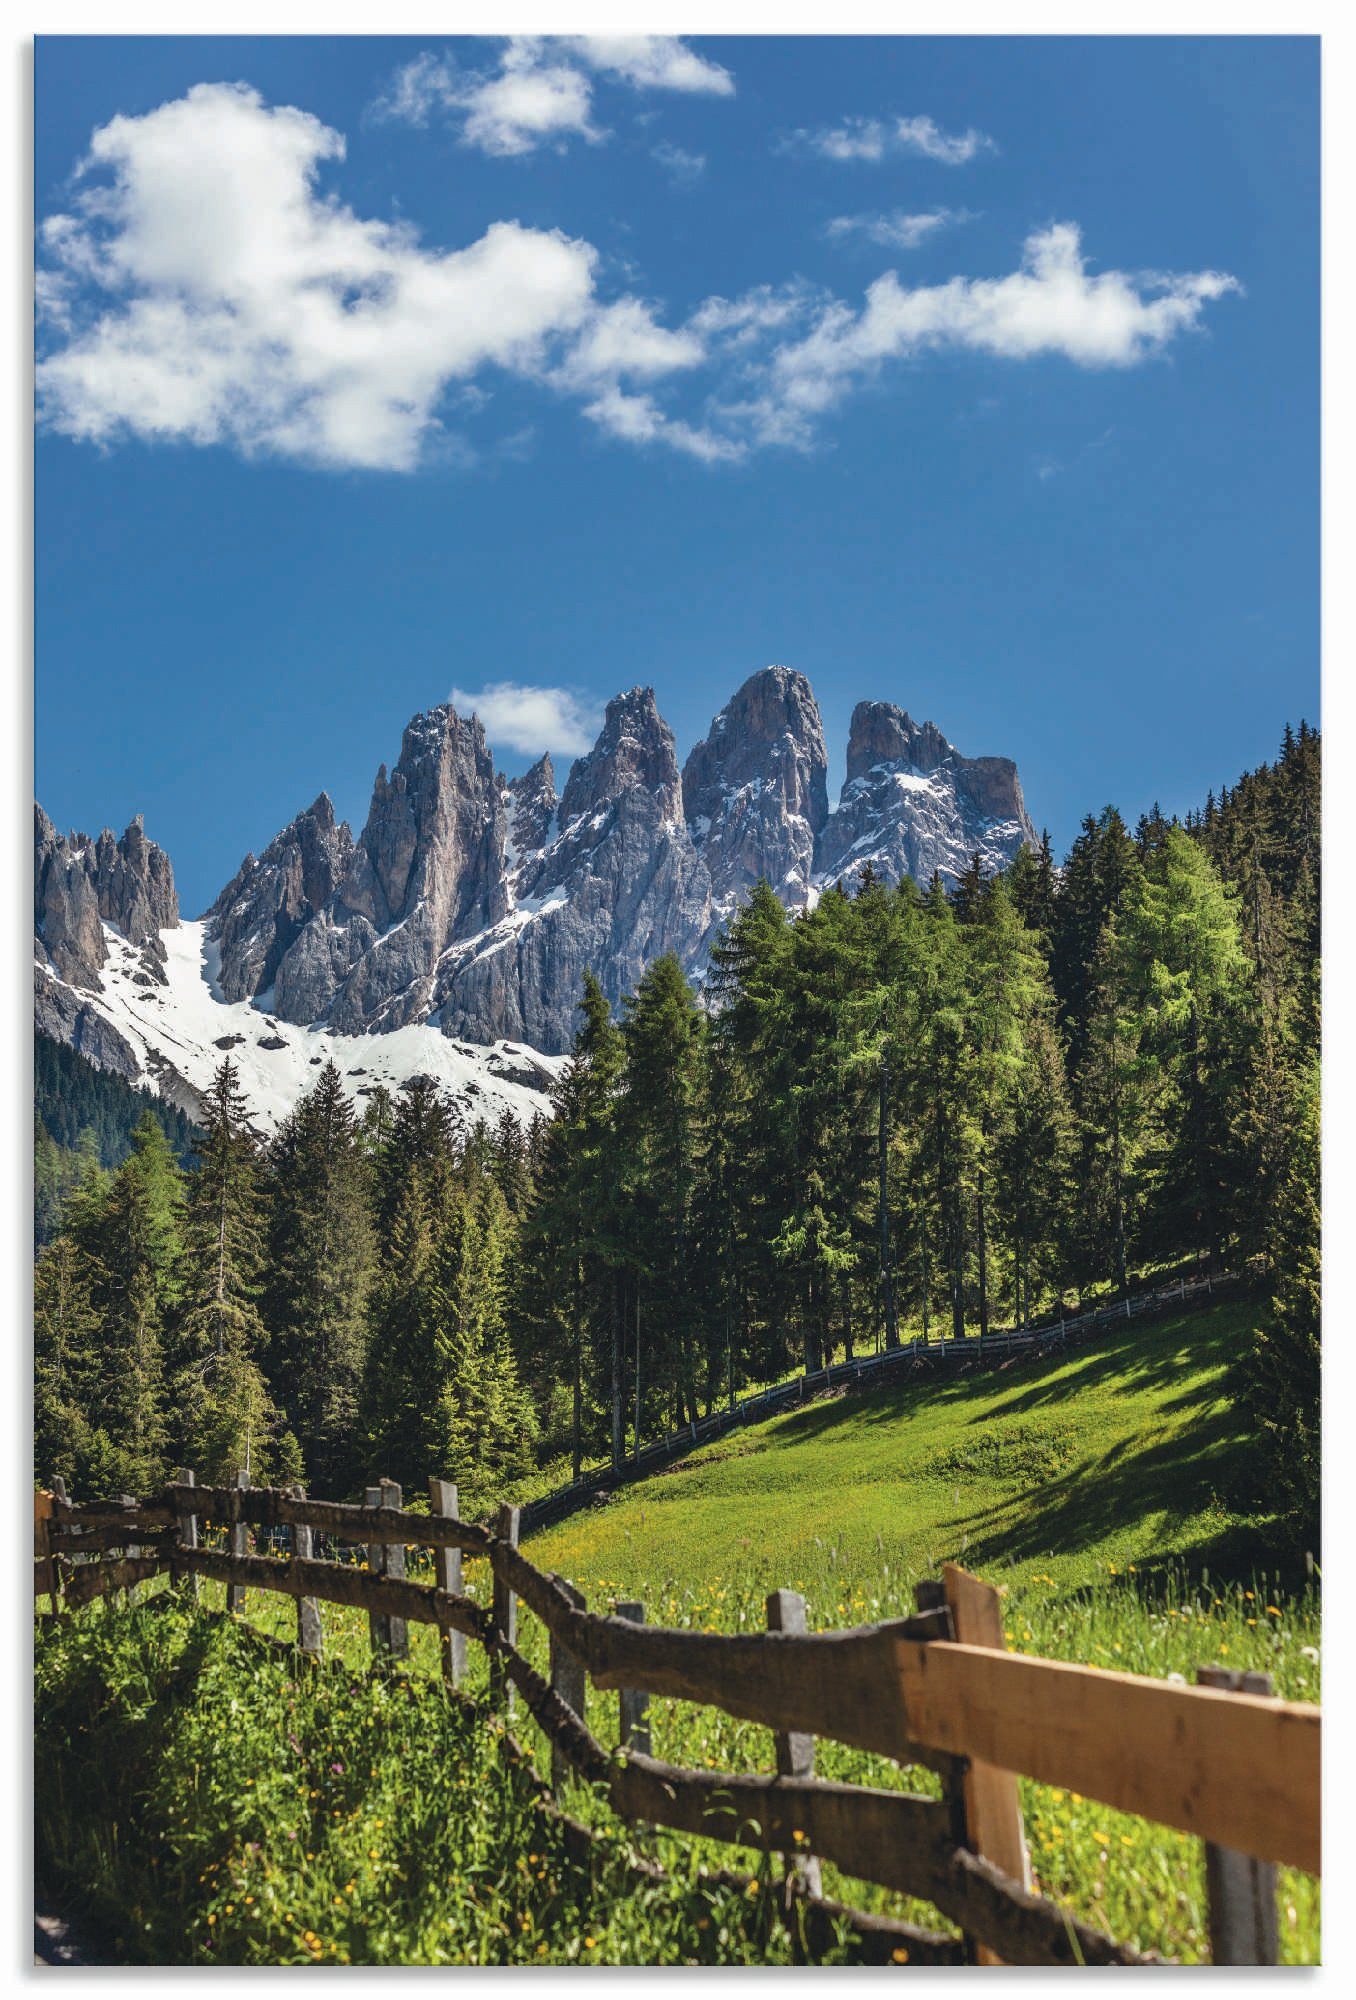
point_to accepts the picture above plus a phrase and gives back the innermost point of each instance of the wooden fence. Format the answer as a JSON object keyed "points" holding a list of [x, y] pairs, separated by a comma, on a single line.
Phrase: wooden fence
{"points": [[1221, 1760]]}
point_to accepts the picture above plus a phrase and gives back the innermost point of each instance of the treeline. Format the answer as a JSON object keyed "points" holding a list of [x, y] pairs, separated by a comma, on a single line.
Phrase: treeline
{"points": [[82, 1118], [904, 1111], [324, 1308]]}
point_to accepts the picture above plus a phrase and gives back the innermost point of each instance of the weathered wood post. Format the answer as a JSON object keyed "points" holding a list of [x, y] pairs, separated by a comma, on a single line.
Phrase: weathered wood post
{"points": [[993, 1809], [129, 1500], [377, 1630], [795, 1751], [633, 1705], [189, 1585], [386, 1634], [570, 1681], [504, 1613], [310, 1636], [45, 1572], [442, 1499], [239, 1535], [392, 1497], [1240, 1892]]}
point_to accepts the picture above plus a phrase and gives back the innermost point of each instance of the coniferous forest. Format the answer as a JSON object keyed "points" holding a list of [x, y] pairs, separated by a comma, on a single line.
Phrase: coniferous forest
{"points": [[906, 1111]]}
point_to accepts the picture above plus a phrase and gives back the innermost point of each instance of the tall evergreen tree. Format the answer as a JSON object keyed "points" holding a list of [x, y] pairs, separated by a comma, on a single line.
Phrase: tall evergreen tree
{"points": [[319, 1263], [225, 1415]]}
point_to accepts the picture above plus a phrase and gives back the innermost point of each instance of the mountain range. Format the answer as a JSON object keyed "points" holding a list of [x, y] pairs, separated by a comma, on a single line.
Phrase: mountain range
{"points": [[456, 928]]}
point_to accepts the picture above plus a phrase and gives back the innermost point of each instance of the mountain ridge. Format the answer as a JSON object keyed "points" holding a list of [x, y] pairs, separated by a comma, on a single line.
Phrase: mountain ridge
{"points": [[470, 904]]}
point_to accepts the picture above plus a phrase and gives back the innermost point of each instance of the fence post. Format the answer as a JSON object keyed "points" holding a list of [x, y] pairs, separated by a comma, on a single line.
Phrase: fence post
{"points": [[188, 1534], [309, 1631], [235, 1592], [570, 1681], [386, 1634], [378, 1633], [42, 1542], [504, 1612], [394, 1566], [1240, 1892], [795, 1752], [442, 1499], [633, 1706], [993, 1809]]}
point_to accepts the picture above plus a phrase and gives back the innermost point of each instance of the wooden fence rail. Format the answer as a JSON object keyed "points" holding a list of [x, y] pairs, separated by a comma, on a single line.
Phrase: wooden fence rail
{"points": [[1232, 1767]]}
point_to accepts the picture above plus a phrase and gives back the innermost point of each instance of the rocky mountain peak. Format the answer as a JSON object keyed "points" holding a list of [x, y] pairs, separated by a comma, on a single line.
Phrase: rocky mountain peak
{"points": [[755, 789], [635, 751], [913, 805], [269, 900], [474, 903], [81, 884], [880, 733], [531, 804]]}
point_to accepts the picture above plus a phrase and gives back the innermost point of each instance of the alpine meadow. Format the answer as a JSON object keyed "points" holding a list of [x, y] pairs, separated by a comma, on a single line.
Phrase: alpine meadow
{"points": [[638, 1360]]}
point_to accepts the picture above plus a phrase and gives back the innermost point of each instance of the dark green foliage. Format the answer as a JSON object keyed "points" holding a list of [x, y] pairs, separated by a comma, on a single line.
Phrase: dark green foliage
{"points": [[1283, 1372], [318, 1269], [901, 1112], [199, 1802], [85, 1116]]}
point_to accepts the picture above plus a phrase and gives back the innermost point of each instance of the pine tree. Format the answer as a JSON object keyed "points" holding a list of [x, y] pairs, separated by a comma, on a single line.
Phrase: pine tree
{"points": [[225, 1416], [1283, 1371], [319, 1266], [65, 1340]]}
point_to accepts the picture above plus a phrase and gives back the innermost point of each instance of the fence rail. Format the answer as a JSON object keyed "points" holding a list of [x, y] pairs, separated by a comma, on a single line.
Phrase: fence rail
{"points": [[892, 1364], [1236, 1769]]}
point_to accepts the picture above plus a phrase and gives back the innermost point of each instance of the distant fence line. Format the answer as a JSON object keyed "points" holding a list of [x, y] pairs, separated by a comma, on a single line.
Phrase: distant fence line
{"points": [[892, 1364], [1221, 1761]]}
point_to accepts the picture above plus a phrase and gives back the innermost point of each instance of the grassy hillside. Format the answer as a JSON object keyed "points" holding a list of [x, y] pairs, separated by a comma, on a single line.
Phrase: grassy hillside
{"points": [[1105, 1494], [1126, 1453]]}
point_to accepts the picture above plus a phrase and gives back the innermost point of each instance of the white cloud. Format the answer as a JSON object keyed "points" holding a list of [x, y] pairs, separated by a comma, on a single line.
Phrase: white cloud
{"points": [[638, 419], [202, 287], [872, 139], [953, 149], [684, 169], [1052, 305], [532, 719], [897, 230], [652, 62], [232, 303], [542, 90]]}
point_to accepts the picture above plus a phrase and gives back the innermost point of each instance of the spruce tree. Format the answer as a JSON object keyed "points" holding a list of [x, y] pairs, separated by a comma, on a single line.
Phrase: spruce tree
{"points": [[225, 1417], [320, 1247]]}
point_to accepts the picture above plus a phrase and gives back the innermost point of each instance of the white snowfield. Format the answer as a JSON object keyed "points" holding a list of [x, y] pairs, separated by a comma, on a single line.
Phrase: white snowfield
{"points": [[189, 1027]]}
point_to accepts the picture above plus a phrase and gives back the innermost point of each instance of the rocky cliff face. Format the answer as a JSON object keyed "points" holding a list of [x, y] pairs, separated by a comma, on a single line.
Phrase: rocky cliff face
{"points": [[755, 791], [79, 885], [268, 903], [912, 805], [618, 886], [428, 869], [474, 903]]}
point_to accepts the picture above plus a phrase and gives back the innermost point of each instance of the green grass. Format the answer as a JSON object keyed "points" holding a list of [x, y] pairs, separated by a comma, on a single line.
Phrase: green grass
{"points": [[1106, 1495], [200, 1799]]}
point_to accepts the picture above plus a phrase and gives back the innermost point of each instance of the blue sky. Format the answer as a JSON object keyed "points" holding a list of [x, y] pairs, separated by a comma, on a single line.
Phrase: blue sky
{"points": [[371, 370]]}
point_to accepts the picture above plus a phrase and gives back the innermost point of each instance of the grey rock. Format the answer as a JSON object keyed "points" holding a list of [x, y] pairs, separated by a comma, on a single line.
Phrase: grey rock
{"points": [[913, 805], [531, 806], [620, 885], [755, 791], [269, 901], [80, 884], [60, 1013], [427, 870]]}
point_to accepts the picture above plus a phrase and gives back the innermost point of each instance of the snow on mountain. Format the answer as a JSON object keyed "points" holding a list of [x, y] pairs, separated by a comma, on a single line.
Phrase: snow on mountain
{"points": [[471, 904], [177, 1034]]}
